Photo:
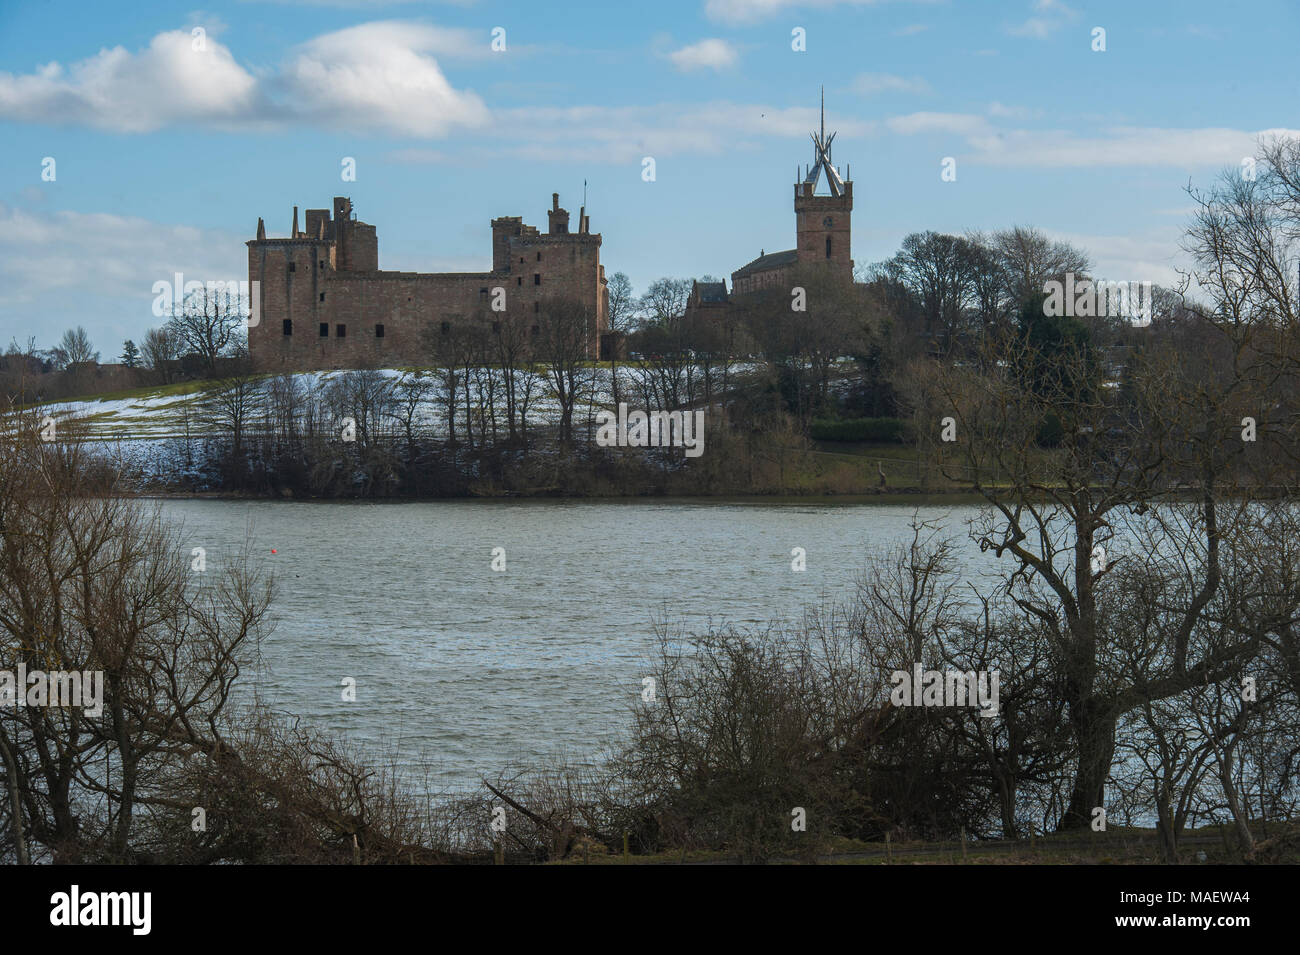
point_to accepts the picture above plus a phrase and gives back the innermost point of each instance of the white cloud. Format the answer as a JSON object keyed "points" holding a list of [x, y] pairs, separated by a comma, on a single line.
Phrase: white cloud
{"points": [[53, 265], [1120, 146], [868, 84], [1109, 146], [419, 156], [380, 75], [1152, 256], [625, 134], [964, 124], [359, 4], [751, 11], [383, 76], [1013, 112], [1048, 17], [711, 54], [744, 11], [166, 83]]}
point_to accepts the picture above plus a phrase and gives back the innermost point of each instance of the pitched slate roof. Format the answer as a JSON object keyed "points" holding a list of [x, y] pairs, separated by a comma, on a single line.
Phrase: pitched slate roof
{"points": [[773, 260], [711, 292]]}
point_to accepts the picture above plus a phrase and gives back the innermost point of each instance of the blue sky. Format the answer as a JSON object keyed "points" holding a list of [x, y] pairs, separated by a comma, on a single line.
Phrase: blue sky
{"points": [[165, 156]]}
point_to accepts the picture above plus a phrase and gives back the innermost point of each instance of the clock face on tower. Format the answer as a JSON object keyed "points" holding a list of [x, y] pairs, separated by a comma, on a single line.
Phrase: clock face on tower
{"points": [[828, 222]]}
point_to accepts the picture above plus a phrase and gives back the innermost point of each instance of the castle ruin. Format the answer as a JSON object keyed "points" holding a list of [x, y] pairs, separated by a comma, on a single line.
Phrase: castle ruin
{"points": [[325, 303]]}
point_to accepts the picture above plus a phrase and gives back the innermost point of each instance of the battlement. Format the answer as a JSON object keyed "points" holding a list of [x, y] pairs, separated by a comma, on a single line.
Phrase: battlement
{"points": [[806, 197]]}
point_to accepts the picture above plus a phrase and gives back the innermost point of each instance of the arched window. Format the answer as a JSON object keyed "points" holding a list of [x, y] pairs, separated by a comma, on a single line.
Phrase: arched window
{"points": [[828, 247]]}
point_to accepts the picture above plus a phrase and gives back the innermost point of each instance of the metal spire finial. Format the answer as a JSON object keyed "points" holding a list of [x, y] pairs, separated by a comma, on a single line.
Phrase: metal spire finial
{"points": [[822, 155]]}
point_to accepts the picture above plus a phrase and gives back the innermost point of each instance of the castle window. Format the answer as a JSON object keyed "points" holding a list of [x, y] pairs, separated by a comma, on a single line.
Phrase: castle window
{"points": [[288, 326], [446, 328], [324, 329], [539, 256], [293, 266], [828, 247], [340, 330], [322, 263], [520, 280], [537, 278], [379, 331], [322, 296]]}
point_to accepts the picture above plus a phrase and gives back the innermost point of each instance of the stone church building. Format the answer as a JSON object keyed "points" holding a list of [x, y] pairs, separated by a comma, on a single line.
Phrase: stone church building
{"points": [[324, 302], [823, 234]]}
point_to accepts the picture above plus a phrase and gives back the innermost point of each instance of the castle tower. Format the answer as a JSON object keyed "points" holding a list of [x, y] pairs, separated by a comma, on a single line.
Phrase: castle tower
{"points": [[823, 222]]}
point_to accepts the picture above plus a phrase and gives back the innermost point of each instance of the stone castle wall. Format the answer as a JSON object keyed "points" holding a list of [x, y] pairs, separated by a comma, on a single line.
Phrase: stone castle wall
{"points": [[324, 302]]}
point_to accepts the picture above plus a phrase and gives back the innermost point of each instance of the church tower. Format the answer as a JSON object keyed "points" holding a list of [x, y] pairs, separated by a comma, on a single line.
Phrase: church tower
{"points": [[823, 222]]}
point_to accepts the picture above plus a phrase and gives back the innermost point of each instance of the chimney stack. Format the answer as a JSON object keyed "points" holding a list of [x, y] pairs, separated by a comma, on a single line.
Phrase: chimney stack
{"points": [[558, 218]]}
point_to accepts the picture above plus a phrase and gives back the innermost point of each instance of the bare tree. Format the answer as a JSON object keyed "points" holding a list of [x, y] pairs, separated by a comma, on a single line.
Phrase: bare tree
{"points": [[409, 398], [76, 347], [622, 311], [663, 341], [1028, 258], [510, 345], [159, 351], [940, 272], [93, 582], [232, 405], [453, 348], [563, 346], [208, 323]]}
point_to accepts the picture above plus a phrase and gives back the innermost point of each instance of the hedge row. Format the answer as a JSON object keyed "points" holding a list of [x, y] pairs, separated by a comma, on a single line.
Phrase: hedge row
{"points": [[859, 429]]}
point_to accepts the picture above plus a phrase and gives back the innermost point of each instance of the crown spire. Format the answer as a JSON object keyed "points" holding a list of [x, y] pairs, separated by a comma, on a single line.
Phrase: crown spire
{"points": [[822, 157]]}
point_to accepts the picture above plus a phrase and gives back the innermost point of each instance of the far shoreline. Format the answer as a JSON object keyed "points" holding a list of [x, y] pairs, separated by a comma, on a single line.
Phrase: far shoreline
{"points": [[907, 496]]}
